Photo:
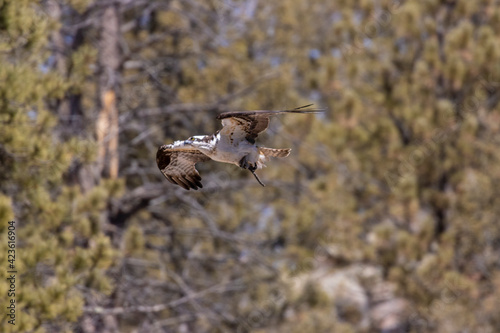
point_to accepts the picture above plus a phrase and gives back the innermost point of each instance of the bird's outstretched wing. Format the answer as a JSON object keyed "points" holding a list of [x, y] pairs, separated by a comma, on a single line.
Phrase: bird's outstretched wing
{"points": [[239, 125], [177, 163]]}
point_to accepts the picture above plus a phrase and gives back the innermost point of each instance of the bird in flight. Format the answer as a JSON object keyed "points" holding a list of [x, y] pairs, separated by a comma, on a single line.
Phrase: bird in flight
{"points": [[234, 143]]}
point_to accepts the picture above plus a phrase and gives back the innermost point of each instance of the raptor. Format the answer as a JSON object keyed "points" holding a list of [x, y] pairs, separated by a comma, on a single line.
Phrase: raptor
{"points": [[234, 143]]}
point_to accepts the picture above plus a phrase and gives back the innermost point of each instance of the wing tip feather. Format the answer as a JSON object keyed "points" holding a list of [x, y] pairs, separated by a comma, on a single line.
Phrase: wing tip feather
{"points": [[299, 109]]}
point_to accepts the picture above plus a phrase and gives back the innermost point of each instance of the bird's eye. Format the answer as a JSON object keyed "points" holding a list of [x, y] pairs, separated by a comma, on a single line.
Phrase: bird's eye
{"points": [[191, 139]]}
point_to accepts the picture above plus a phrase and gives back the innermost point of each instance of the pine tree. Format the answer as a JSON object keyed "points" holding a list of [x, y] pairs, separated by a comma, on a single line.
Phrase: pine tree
{"points": [[61, 248]]}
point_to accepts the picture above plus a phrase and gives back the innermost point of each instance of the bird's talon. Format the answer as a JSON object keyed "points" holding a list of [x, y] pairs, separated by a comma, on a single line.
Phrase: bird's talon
{"points": [[244, 164]]}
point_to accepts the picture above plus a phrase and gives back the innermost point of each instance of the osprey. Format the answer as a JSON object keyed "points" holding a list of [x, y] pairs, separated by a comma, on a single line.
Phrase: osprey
{"points": [[234, 143]]}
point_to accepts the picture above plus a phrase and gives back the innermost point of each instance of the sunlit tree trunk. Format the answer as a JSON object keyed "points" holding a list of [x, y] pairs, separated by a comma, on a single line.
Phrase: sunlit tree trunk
{"points": [[107, 121]]}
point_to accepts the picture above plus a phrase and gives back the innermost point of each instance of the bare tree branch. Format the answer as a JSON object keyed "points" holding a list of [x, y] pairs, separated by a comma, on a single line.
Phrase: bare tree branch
{"points": [[191, 296]]}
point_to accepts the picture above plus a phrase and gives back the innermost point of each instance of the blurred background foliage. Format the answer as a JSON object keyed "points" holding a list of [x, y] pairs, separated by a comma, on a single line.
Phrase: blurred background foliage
{"points": [[383, 219]]}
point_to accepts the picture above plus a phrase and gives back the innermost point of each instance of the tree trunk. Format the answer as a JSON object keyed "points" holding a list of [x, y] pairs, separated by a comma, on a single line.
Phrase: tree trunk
{"points": [[107, 121]]}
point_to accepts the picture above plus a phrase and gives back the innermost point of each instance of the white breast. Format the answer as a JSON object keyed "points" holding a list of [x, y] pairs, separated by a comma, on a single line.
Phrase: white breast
{"points": [[232, 151]]}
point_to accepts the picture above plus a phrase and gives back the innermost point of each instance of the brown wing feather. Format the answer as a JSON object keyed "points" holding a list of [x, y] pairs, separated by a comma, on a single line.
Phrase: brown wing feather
{"points": [[254, 122], [178, 166], [245, 126]]}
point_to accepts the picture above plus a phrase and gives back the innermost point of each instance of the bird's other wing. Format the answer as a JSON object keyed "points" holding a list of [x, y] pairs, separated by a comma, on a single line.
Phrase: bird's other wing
{"points": [[238, 125], [177, 163]]}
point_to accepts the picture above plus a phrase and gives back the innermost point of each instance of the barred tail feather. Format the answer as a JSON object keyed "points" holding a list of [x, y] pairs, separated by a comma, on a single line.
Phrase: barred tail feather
{"points": [[265, 153], [275, 152]]}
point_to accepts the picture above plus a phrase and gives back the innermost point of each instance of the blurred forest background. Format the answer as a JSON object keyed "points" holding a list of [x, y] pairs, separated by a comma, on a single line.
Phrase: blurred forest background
{"points": [[383, 219]]}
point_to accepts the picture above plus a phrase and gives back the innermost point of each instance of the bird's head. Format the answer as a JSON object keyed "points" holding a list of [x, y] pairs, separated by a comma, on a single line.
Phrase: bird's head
{"points": [[194, 140], [199, 141]]}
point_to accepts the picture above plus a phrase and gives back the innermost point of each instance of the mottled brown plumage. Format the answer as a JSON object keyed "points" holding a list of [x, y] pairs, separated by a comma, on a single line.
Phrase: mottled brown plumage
{"points": [[179, 166], [252, 123]]}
